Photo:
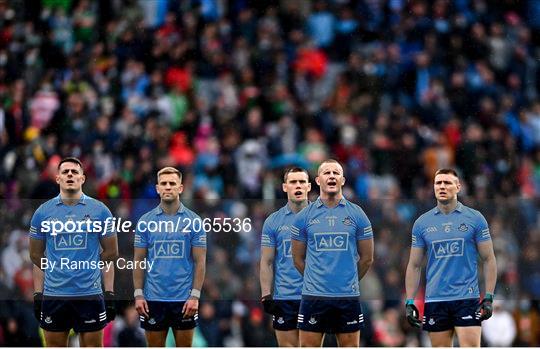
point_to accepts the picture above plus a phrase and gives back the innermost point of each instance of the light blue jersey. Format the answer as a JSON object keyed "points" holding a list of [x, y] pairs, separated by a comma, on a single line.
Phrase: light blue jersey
{"points": [[450, 241], [169, 249], [75, 251], [331, 236], [276, 233]]}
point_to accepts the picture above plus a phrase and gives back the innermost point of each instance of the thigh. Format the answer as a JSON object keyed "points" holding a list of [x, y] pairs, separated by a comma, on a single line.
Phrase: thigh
{"points": [[469, 336], [310, 339], [89, 314], [287, 338], [157, 317], [438, 317], [156, 338], [350, 339], [441, 338], [91, 339], [56, 339], [183, 338], [286, 317]]}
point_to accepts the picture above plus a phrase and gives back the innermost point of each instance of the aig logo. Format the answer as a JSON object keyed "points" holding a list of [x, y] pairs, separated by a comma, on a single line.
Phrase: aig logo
{"points": [[448, 248], [169, 249], [287, 248], [332, 241], [70, 241]]}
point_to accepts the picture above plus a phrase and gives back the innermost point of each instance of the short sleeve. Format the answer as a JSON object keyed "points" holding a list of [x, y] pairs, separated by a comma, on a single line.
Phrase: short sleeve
{"points": [[364, 230], [107, 222], [37, 230], [299, 227], [268, 236], [198, 236], [141, 234], [417, 237], [481, 232]]}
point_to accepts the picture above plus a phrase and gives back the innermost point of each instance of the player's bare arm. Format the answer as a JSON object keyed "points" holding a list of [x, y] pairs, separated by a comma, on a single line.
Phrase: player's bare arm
{"points": [[141, 306], [110, 248], [414, 271], [266, 272], [37, 251], [299, 255], [366, 251], [199, 263], [485, 249]]}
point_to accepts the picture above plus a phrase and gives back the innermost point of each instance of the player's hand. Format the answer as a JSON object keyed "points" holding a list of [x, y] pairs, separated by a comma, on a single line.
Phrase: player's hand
{"points": [[413, 315], [190, 307], [142, 307], [485, 309], [38, 302], [269, 305], [110, 305]]}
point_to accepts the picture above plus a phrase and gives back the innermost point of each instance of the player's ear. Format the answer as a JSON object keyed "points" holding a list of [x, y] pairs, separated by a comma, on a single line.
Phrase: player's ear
{"points": [[157, 188], [318, 181], [309, 187], [57, 178], [181, 188], [83, 179], [284, 187], [342, 181], [458, 185]]}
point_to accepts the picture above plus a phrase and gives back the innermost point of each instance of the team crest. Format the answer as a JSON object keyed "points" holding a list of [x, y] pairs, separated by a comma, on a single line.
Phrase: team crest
{"points": [[312, 321], [152, 321], [348, 221], [280, 320], [431, 322], [86, 217], [463, 227], [48, 320]]}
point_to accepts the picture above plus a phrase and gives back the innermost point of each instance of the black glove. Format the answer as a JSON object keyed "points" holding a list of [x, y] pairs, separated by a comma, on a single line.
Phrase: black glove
{"points": [[485, 309], [38, 302], [269, 305], [413, 315], [110, 305]]}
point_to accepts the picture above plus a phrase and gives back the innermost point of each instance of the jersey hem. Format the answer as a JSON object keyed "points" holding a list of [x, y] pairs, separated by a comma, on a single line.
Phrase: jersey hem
{"points": [[450, 299], [334, 295], [45, 293]]}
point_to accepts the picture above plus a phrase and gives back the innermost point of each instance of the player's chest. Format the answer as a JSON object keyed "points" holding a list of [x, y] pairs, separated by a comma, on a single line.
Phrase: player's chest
{"points": [[69, 214], [331, 232], [449, 237]]}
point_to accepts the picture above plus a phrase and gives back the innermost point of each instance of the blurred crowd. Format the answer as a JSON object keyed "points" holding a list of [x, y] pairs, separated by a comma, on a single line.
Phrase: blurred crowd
{"points": [[233, 91]]}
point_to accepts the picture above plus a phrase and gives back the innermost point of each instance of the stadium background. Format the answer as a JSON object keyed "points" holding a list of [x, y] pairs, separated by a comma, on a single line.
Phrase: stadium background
{"points": [[231, 92]]}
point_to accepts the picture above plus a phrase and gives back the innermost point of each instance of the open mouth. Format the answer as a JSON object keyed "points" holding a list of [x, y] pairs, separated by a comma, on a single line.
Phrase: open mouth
{"points": [[70, 181], [298, 193], [332, 183]]}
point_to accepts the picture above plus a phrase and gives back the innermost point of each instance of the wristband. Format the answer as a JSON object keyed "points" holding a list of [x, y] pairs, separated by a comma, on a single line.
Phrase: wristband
{"points": [[409, 301], [138, 292], [489, 296], [195, 293]]}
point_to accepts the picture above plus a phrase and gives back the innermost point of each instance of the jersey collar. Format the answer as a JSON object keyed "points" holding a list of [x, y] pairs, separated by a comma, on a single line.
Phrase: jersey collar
{"points": [[81, 201], [159, 210], [459, 208], [341, 202]]}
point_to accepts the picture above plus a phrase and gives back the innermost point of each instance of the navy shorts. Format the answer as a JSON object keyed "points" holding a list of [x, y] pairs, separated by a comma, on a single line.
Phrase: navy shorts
{"points": [[330, 315], [163, 315], [444, 316], [285, 318], [82, 314]]}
